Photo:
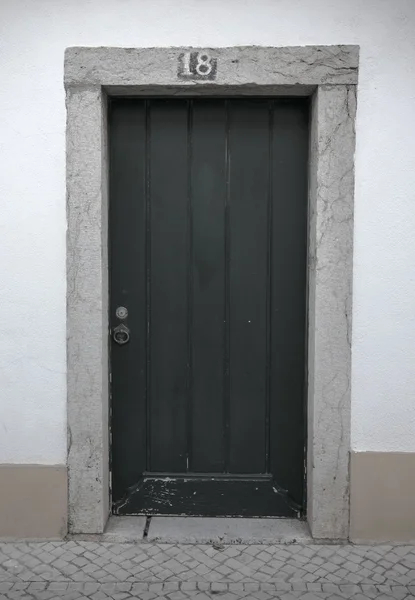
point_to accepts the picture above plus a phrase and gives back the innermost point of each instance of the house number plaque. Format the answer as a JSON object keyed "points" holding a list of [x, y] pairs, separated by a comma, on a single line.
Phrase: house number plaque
{"points": [[197, 66]]}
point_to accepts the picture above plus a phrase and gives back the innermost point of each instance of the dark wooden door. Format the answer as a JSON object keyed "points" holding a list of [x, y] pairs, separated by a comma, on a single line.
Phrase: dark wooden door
{"points": [[208, 236]]}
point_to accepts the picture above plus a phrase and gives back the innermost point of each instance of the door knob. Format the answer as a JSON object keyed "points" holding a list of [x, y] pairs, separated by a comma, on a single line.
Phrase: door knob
{"points": [[121, 334]]}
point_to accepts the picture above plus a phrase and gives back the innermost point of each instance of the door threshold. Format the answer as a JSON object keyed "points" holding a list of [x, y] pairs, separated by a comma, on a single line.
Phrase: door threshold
{"points": [[218, 531]]}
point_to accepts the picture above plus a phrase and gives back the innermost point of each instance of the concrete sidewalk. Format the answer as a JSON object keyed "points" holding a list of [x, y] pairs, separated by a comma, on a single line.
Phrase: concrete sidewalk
{"points": [[101, 570]]}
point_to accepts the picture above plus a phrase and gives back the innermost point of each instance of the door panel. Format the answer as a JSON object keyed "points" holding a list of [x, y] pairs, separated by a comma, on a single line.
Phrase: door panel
{"points": [[208, 191], [169, 372], [248, 283], [288, 299], [128, 275], [208, 214]]}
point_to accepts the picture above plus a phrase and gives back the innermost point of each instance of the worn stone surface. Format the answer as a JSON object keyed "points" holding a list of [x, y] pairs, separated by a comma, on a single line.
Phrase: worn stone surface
{"points": [[75, 570], [330, 304], [245, 531], [124, 529], [87, 308], [238, 66]]}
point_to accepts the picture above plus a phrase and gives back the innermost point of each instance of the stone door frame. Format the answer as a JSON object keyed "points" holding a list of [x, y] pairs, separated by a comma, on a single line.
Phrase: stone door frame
{"points": [[328, 74]]}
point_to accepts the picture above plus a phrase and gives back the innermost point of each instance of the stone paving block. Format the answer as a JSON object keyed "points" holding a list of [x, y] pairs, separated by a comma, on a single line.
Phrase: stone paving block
{"points": [[72, 570]]}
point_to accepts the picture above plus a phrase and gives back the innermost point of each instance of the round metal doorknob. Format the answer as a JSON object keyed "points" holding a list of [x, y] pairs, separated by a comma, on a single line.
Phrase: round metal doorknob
{"points": [[121, 334]]}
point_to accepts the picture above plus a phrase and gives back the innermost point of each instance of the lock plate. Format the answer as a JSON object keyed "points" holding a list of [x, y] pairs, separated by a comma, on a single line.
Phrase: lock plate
{"points": [[121, 312]]}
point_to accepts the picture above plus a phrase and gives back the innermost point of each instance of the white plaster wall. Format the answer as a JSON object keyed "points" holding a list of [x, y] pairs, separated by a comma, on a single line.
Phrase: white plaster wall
{"points": [[33, 36]]}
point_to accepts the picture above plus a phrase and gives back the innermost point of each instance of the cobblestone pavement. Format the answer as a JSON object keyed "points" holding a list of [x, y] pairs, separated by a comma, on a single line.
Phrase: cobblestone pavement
{"points": [[100, 571]]}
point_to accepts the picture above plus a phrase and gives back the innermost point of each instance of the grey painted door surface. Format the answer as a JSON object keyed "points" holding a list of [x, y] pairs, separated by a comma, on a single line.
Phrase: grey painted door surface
{"points": [[208, 237]]}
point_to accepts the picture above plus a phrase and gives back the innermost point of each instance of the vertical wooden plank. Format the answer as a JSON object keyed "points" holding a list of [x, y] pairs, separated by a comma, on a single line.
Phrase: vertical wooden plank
{"points": [[288, 296], [127, 258], [208, 188], [248, 206], [169, 292]]}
